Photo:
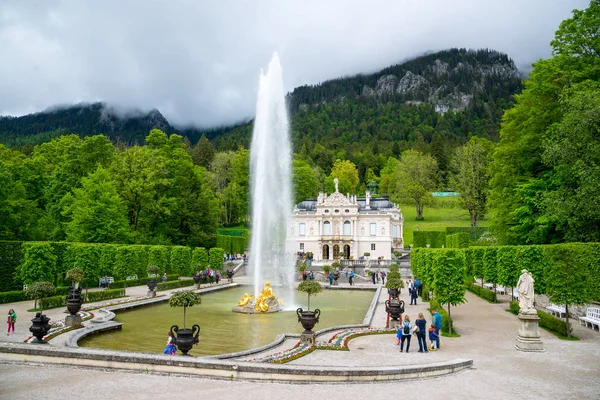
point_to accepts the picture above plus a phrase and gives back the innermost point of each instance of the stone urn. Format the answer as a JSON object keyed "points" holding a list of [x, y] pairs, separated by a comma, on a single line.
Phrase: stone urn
{"points": [[336, 276], [394, 293], [151, 287], [40, 327], [74, 300], [185, 338], [308, 319], [395, 308], [197, 279]]}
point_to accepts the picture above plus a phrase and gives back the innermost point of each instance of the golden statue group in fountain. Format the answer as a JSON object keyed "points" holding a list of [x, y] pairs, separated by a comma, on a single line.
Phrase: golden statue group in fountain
{"points": [[266, 301]]}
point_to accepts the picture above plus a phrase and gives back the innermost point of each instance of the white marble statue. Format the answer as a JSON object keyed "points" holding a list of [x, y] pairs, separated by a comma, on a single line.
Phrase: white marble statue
{"points": [[526, 294], [335, 180]]}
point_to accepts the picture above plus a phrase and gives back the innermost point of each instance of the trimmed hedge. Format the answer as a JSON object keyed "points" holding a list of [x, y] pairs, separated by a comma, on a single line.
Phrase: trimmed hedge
{"points": [[232, 244], [474, 233], [181, 260], [140, 281], [199, 257], [484, 293], [10, 259], [457, 240], [233, 232], [61, 301], [435, 239], [175, 284], [12, 297], [215, 258]]}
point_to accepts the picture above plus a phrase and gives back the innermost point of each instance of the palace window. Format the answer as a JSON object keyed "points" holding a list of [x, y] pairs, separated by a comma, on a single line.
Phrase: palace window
{"points": [[302, 246], [372, 246], [302, 229], [373, 229], [326, 228], [347, 228]]}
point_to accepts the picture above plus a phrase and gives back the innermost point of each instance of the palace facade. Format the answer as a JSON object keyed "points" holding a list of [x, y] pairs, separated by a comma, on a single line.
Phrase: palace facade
{"points": [[344, 226]]}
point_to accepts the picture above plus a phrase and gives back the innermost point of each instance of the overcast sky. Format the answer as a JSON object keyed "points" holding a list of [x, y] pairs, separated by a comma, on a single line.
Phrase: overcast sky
{"points": [[198, 61]]}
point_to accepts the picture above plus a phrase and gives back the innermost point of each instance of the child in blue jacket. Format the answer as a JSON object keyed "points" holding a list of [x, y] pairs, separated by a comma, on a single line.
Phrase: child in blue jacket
{"points": [[434, 338]]}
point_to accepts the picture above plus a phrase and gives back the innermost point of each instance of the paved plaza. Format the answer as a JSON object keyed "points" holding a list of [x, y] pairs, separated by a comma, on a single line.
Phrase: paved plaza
{"points": [[567, 370]]}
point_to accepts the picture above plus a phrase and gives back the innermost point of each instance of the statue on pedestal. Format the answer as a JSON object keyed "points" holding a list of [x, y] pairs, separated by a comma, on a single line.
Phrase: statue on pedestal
{"points": [[526, 294]]}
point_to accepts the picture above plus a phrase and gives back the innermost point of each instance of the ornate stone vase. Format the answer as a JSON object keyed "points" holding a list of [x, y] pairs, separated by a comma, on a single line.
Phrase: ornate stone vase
{"points": [[151, 285], [308, 319], [197, 278], [74, 300], [336, 276], [185, 338], [395, 308], [40, 327], [394, 293]]}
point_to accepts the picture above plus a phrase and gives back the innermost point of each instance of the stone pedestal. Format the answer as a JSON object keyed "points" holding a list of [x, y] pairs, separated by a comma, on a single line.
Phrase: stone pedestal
{"points": [[151, 293], [335, 283], [307, 338], [528, 338], [72, 320], [394, 323]]}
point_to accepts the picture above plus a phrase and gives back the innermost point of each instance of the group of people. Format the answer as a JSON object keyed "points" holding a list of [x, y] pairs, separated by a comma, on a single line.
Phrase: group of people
{"points": [[406, 329], [210, 274], [308, 275], [104, 282], [376, 276], [234, 256]]}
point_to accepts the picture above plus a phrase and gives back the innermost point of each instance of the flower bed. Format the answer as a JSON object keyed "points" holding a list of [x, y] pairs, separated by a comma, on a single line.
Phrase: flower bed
{"points": [[339, 341]]}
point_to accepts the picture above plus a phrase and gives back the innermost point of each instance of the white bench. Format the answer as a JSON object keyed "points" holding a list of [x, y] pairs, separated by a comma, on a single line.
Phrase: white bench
{"points": [[556, 309], [592, 317], [500, 289], [489, 286]]}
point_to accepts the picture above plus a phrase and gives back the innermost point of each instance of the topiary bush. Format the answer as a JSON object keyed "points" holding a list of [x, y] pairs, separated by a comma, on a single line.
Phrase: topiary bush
{"points": [[484, 293]]}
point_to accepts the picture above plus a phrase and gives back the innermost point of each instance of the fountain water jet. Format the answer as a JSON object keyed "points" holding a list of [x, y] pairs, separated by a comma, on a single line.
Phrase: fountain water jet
{"points": [[270, 174]]}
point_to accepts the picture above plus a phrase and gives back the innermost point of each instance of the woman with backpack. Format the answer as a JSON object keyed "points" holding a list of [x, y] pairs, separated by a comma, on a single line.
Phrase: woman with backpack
{"points": [[405, 331]]}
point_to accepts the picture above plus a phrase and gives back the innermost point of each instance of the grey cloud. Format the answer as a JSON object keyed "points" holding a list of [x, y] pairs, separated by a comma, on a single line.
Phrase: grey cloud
{"points": [[198, 62]]}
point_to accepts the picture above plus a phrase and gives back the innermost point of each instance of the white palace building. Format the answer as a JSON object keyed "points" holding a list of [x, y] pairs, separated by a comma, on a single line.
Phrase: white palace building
{"points": [[344, 226]]}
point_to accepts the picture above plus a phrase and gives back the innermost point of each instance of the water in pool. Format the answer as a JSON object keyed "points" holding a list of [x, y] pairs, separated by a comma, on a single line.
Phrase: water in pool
{"points": [[223, 331]]}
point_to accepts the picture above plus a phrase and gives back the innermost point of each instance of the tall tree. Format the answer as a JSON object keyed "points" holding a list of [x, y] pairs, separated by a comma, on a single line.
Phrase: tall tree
{"points": [[416, 177], [304, 181], [203, 152], [97, 213], [346, 173], [471, 175]]}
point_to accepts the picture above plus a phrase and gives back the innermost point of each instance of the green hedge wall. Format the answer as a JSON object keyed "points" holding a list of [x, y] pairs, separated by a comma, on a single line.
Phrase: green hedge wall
{"points": [[159, 256], [232, 244], [10, 259], [215, 258], [435, 239], [474, 233], [176, 284], [29, 262], [199, 257], [233, 232], [568, 273], [457, 240], [484, 293], [61, 301], [181, 260]]}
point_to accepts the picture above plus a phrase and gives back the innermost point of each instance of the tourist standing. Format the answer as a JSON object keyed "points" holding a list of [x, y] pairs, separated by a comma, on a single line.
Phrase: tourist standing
{"points": [[383, 275], [413, 295], [331, 279], [436, 320], [12, 318], [421, 324], [217, 277], [351, 278], [419, 287], [406, 329], [373, 277], [164, 277]]}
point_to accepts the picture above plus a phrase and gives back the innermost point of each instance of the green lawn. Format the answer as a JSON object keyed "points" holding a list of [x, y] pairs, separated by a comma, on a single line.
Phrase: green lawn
{"points": [[435, 219]]}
